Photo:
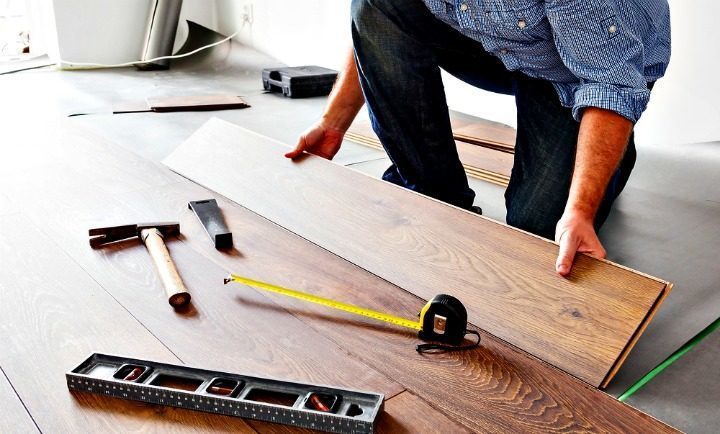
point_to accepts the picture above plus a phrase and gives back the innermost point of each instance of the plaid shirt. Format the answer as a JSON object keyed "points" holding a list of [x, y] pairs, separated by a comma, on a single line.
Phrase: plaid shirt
{"points": [[599, 53]]}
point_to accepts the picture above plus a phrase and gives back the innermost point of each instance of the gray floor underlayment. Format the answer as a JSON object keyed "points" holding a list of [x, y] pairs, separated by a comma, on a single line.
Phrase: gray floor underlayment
{"points": [[666, 223]]}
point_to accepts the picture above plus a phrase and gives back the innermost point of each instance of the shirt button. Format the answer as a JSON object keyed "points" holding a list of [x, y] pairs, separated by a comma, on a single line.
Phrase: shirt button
{"points": [[612, 29], [504, 51], [464, 7], [522, 24]]}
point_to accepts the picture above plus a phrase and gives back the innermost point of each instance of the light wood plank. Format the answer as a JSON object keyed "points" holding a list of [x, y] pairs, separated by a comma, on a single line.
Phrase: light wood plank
{"points": [[14, 418], [55, 315], [496, 388], [482, 132], [581, 324]]}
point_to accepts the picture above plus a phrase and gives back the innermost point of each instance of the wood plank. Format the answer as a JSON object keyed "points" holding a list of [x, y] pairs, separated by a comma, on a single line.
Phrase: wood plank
{"points": [[480, 162], [482, 132], [13, 415], [581, 324], [495, 388], [406, 413], [54, 315], [261, 343]]}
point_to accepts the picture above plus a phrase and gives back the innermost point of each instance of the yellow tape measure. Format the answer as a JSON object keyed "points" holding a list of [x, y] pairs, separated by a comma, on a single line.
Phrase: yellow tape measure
{"points": [[442, 319]]}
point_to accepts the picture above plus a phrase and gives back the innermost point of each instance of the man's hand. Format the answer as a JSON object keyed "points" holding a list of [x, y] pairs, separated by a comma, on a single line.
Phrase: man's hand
{"points": [[320, 140], [575, 234], [601, 143], [345, 101]]}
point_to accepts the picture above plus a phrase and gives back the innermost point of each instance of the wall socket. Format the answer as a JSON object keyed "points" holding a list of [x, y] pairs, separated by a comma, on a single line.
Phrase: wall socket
{"points": [[247, 14]]}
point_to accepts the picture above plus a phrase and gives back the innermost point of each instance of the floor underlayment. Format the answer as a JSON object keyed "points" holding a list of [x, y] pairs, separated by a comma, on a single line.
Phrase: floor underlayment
{"points": [[666, 223]]}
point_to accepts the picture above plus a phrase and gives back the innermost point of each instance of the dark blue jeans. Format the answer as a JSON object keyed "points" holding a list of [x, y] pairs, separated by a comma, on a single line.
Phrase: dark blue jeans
{"points": [[399, 48]]}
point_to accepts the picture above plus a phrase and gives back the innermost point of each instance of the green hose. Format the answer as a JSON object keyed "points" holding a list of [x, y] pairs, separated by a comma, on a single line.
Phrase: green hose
{"points": [[670, 360]]}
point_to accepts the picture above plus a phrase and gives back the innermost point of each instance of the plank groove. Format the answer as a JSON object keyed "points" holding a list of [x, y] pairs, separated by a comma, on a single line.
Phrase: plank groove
{"points": [[581, 324], [13, 415]]}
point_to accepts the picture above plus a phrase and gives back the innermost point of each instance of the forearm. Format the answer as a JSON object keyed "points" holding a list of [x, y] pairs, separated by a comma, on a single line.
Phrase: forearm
{"points": [[346, 98], [601, 144]]}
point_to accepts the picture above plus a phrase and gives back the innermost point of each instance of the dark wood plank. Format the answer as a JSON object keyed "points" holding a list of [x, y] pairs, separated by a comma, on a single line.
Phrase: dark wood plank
{"points": [[13, 415], [196, 103], [406, 413], [582, 324], [224, 336], [54, 315], [496, 388]]}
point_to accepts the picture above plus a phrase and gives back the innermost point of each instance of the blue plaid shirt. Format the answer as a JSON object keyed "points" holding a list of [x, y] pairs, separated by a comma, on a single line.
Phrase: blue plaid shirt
{"points": [[599, 53]]}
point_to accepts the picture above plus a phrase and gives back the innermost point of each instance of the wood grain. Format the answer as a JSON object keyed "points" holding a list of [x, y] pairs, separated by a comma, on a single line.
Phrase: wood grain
{"points": [[406, 413], [13, 415], [54, 315], [255, 343], [581, 324], [480, 162], [496, 388], [482, 132]]}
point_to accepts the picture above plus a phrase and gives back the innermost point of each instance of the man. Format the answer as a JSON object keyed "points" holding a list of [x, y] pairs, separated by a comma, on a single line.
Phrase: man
{"points": [[581, 73]]}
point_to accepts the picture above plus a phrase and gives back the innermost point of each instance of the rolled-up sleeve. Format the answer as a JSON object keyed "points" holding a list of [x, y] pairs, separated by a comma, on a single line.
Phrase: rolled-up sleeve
{"points": [[602, 51]]}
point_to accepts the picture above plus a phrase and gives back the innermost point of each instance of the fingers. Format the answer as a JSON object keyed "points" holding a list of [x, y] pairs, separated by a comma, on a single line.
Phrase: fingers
{"points": [[568, 248], [299, 149]]}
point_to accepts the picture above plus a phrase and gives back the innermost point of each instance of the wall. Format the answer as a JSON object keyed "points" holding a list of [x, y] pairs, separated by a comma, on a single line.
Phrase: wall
{"points": [[103, 31], [683, 107]]}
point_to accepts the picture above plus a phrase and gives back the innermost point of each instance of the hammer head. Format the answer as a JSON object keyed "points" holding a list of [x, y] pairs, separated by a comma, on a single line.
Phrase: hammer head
{"points": [[102, 236]]}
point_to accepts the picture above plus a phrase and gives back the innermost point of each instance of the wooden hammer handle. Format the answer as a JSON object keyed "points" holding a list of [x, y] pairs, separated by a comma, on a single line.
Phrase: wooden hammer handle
{"points": [[178, 295]]}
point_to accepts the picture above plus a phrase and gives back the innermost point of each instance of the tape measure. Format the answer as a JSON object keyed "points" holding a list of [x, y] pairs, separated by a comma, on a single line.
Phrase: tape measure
{"points": [[443, 319]]}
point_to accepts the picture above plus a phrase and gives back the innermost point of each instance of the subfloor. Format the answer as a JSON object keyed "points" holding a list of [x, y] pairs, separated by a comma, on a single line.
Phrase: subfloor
{"points": [[666, 223]]}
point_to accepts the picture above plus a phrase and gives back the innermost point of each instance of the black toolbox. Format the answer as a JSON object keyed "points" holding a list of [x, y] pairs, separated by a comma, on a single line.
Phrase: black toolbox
{"points": [[299, 81]]}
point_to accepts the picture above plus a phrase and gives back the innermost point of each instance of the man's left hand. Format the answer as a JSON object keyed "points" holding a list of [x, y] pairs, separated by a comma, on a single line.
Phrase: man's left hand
{"points": [[576, 234]]}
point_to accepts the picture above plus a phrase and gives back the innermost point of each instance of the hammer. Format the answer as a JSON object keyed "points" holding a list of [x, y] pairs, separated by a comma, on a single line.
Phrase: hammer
{"points": [[153, 236]]}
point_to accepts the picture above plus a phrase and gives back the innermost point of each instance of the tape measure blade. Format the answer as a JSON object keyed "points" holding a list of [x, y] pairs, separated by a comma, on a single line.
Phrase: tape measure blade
{"points": [[334, 304]]}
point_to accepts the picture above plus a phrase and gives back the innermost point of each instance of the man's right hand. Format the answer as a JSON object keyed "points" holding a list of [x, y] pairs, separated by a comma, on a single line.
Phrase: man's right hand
{"points": [[321, 140], [325, 137]]}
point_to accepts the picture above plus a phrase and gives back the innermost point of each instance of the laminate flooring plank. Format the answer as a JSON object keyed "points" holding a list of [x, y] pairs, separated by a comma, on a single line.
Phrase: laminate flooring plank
{"points": [[478, 161], [54, 315], [482, 132], [488, 196], [495, 388], [213, 334], [582, 324], [14, 418], [406, 413]]}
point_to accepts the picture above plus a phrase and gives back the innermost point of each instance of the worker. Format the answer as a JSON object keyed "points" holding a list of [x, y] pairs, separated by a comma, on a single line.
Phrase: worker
{"points": [[581, 72]]}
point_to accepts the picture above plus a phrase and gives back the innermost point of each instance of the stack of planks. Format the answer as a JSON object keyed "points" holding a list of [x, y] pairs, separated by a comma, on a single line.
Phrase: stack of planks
{"points": [[485, 148]]}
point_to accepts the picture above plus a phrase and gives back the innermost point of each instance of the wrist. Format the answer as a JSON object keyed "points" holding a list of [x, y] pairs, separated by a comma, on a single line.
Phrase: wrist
{"points": [[338, 120], [579, 211]]}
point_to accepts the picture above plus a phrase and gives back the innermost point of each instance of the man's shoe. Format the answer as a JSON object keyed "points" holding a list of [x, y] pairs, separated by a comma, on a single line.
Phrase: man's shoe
{"points": [[476, 209]]}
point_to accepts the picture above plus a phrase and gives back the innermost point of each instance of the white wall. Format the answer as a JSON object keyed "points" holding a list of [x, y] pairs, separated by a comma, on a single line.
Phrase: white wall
{"points": [[296, 32], [104, 31], [683, 109]]}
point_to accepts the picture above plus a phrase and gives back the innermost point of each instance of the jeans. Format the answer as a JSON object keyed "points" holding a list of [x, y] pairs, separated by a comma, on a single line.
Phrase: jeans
{"points": [[399, 50]]}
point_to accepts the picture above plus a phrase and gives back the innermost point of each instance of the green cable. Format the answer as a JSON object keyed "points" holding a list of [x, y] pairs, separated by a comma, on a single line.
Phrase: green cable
{"points": [[670, 360]]}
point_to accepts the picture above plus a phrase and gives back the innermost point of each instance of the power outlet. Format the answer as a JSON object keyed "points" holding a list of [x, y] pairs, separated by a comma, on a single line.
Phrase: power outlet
{"points": [[247, 14]]}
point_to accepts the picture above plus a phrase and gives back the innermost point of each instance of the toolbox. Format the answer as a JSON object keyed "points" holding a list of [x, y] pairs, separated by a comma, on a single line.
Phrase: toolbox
{"points": [[299, 81]]}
